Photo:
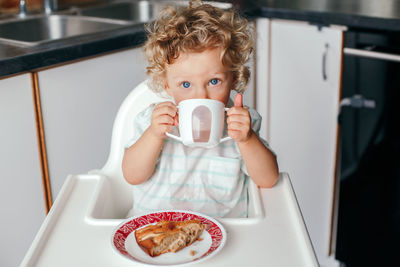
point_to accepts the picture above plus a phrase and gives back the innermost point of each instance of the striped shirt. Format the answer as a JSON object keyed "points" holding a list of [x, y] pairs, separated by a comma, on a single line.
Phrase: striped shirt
{"points": [[212, 181]]}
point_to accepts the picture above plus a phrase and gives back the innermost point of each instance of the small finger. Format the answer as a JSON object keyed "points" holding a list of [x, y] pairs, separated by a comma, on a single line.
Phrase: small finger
{"points": [[176, 119], [238, 100], [238, 110], [238, 126], [245, 120], [164, 119], [169, 109]]}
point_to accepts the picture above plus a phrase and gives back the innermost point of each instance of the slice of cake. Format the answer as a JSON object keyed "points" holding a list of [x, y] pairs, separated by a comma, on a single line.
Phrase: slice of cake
{"points": [[168, 236]]}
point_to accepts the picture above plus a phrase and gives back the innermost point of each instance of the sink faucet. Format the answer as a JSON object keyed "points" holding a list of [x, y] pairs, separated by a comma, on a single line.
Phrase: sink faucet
{"points": [[49, 6], [22, 9]]}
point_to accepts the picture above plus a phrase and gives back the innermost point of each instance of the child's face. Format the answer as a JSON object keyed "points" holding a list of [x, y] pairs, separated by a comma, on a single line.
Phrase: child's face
{"points": [[198, 75]]}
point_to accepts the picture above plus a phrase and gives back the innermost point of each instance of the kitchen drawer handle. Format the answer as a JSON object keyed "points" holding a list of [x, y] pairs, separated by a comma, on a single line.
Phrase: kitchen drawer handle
{"points": [[324, 75], [371, 54]]}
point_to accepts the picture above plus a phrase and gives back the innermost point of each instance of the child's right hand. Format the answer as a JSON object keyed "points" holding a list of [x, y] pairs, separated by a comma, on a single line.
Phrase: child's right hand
{"points": [[164, 116]]}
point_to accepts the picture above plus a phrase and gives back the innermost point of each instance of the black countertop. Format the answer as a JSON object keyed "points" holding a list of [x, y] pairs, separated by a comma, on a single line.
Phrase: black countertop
{"points": [[361, 14], [376, 15]]}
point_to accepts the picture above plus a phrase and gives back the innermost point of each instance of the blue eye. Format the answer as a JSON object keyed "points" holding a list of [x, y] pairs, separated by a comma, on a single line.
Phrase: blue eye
{"points": [[214, 81], [186, 84]]}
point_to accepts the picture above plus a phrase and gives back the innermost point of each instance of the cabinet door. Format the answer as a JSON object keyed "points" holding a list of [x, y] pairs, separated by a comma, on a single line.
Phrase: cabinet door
{"points": [[79, 103], [22, 202], [304, 97]]}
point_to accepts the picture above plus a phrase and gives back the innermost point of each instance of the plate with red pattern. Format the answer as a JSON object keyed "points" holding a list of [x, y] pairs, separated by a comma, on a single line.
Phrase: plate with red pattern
{"points": [[209, 244]]}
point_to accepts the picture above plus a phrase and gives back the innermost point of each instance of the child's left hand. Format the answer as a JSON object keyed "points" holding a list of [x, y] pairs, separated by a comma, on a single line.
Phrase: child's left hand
{"points": [[239, 121]]}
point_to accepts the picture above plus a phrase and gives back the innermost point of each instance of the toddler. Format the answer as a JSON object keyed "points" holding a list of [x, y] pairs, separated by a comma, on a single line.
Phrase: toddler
{"points": [[197, 52]]}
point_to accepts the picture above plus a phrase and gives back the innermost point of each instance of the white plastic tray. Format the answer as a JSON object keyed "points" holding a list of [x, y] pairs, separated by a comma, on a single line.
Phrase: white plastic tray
{"points": [[77, 230]]}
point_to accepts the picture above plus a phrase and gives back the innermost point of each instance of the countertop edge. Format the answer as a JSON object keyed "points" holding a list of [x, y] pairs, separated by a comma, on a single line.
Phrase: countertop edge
{"points": [[44, 58]]}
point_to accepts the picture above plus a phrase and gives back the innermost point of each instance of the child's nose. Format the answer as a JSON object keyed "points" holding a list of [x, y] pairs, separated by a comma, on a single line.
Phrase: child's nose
{"points": [[201, 93]]}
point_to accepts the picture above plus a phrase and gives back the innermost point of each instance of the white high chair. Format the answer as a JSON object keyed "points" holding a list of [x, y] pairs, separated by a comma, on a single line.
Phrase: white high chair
{"points": [[140, 98], [79, 226], [137, 100]]}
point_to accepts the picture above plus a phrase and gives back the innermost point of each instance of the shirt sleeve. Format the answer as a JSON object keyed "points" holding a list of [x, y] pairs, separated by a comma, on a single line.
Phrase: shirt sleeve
{"points": [[141, 122]]}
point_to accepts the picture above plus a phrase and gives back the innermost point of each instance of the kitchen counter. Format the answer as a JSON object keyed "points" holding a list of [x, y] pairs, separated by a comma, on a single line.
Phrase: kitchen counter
{"points": [[361, 14], [16, 59], [364, 14]]}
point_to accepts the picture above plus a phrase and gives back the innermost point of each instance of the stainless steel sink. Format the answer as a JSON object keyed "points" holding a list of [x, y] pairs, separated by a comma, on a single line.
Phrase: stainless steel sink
{"points": [[42, 29], [136, 11]]}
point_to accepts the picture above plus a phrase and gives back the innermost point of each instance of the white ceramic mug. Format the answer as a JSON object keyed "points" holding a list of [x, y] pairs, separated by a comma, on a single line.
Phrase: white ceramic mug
{"points": [[201, 122]]}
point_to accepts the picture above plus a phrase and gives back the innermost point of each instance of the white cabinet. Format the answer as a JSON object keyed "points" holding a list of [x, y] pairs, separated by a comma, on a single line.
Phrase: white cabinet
{"points": [[79, 103], [304, 80], [22, 202]]}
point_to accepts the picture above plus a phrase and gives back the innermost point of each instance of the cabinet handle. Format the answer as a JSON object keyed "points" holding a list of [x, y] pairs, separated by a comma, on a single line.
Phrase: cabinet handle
{"points": [[324, 75]]}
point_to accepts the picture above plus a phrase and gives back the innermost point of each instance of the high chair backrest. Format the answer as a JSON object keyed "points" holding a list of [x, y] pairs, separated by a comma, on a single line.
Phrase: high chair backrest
{"points": [[137, 100]]}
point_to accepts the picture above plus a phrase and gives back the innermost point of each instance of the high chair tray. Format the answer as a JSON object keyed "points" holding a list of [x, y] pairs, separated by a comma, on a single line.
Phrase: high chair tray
{"points": [[70, 236]]}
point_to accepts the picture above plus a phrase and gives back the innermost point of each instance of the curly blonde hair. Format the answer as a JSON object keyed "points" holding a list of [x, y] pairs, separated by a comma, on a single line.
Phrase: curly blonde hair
{"points": [[194, 29]]}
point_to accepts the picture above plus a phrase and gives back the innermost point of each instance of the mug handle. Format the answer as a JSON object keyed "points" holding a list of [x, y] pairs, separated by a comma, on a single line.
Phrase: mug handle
{"points": [[173, 136], [226, 138]]}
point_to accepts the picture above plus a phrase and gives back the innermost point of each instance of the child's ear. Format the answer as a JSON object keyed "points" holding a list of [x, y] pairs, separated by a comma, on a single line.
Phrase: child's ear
{"points": [[166, 87]]}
